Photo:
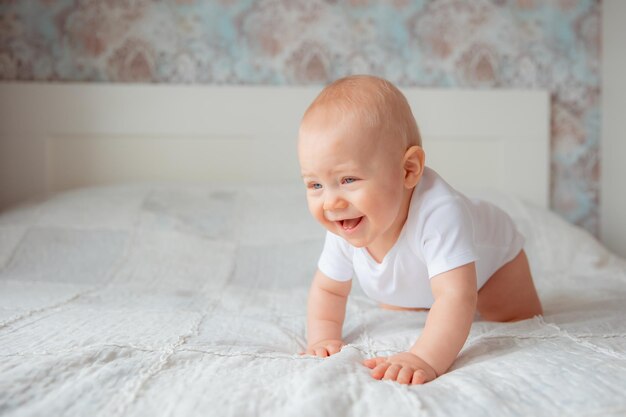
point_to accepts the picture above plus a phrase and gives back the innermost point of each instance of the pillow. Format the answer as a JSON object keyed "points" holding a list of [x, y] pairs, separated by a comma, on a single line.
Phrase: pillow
{"points": [[552, 244]]}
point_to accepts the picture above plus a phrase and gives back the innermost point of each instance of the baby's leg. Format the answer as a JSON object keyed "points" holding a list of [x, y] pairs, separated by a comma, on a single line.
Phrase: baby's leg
{"points": [[392, 307], [509, 295]]}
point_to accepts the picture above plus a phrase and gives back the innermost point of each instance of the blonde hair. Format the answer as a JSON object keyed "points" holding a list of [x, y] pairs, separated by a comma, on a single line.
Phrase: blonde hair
{"points": [[376, 103]]}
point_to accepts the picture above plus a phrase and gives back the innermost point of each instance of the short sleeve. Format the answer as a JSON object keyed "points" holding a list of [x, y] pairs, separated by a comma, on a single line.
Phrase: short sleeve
{"points": [[447, 237], [336, 259]]}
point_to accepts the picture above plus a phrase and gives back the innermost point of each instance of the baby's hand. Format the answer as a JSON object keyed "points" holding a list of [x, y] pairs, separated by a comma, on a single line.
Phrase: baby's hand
{"points": [[324, 348], [405, 367]]}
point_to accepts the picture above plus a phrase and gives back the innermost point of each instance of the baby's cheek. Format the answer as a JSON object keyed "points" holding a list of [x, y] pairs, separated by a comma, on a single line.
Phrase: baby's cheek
{"points": [[313, 209], [319, 216]]}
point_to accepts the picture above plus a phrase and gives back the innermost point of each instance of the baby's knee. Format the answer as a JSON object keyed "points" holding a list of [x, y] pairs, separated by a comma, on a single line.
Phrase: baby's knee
{"points": [[504, 315]]}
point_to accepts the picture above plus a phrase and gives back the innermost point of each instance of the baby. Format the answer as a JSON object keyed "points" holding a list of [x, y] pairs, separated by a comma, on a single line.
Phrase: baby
{"points": [[413, 241]]}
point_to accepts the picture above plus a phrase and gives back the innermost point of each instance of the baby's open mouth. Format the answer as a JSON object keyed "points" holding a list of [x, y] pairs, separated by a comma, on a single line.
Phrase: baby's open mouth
{"points": [[349, 224]]}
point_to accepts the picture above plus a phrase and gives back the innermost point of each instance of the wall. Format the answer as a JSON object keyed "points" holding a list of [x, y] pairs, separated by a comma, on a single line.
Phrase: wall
{"points": [[613, 202], [553, 45]]}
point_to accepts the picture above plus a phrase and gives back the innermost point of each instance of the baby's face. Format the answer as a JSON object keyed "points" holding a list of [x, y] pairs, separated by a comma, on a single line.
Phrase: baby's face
{"points": [[354, 182]]}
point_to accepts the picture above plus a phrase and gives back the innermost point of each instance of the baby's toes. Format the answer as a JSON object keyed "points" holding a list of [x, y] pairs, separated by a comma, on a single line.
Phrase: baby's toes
{"points": [[405, 376]]}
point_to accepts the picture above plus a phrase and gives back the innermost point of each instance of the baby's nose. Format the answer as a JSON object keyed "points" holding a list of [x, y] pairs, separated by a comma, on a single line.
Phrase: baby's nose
{"points": [[335, 203]]}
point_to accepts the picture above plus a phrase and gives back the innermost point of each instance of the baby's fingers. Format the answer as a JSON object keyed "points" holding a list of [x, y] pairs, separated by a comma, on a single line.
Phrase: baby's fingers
{"points": [[314, 352], [321, 352], [419, 377], [379, 371], [332, 349], [373, 362], [405, 376], [392, 372]]}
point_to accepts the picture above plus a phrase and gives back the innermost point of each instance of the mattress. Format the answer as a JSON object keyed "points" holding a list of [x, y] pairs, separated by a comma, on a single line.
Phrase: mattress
{"points": [[190, 300]]}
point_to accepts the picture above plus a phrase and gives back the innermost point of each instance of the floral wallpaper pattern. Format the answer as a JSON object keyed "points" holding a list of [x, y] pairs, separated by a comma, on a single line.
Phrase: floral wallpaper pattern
{"points": [[550, 44]]}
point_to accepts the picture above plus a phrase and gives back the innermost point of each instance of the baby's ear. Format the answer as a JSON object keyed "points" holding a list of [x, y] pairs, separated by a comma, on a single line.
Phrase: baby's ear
{"points": [[414, 158]]}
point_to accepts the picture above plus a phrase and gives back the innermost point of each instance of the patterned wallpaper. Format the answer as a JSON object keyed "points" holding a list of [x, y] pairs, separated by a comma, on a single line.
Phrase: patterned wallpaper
{"points": [[550, 44]]}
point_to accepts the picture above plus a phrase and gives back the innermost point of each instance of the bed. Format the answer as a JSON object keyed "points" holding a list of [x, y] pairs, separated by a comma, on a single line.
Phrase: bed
{"points": [[161, 264]]}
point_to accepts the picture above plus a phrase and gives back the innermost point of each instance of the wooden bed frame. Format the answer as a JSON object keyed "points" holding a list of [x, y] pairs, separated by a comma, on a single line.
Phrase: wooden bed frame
{"points": [[55, 137]]}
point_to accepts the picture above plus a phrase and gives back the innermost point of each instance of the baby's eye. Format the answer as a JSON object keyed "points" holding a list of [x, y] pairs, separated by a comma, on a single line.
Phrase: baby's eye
{"points": [[315, 185], [349, 180]]}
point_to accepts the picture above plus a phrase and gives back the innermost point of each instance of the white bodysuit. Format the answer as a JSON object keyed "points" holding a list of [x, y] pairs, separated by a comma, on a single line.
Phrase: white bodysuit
{"points": [[444, 230]]}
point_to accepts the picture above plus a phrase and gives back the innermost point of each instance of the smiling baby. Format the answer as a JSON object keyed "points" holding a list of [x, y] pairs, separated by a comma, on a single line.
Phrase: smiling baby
{"points": [[411, 240]]}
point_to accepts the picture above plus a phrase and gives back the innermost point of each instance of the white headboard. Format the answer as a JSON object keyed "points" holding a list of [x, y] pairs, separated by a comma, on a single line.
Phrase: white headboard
{"points": [[58, 136]]}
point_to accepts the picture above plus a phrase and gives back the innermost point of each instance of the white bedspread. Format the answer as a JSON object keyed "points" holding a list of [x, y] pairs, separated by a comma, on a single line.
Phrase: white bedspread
{"points": [[159, 300]]}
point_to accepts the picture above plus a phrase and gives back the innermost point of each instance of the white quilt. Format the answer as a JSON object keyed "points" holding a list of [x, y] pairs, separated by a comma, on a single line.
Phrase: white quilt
{"points": [[163, 300]]}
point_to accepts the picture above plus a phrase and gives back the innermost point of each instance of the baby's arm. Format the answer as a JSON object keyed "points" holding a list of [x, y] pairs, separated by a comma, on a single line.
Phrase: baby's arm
{"points": [[447, 327], [326, 312]]}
